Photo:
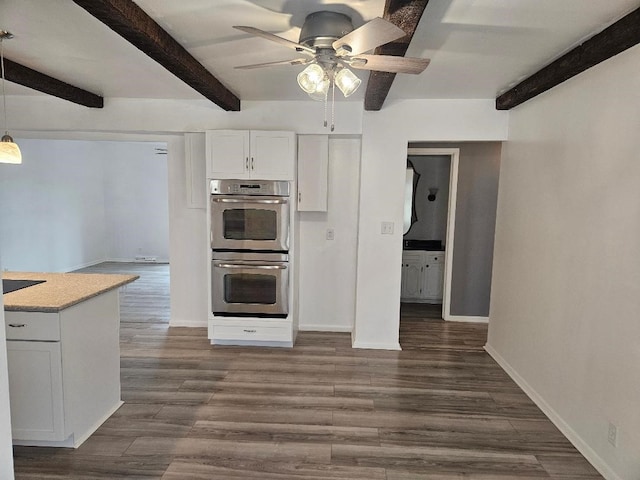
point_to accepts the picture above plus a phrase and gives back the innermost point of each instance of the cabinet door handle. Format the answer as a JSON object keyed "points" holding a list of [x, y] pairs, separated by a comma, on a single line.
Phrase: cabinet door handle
{"points": [[246, 163], [17, 325], [299, 196], [252, 164], [248, 331]]}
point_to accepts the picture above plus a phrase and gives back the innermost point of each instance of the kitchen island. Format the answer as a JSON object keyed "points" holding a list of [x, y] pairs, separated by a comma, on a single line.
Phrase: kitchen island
{"points": [[63, 354]]}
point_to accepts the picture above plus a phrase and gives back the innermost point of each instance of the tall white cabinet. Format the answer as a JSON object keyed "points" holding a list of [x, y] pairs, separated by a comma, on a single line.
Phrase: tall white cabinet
{"points": [[259, 155]]}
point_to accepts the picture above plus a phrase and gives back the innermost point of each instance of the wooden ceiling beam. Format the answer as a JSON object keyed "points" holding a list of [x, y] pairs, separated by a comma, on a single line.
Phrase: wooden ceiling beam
{"points": [[134, 25], [406, 15], [17, 73], [623, 34]]}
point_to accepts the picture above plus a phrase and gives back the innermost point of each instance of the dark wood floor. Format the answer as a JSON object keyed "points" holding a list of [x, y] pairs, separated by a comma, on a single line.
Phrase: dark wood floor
{"points": [[439, 410]]}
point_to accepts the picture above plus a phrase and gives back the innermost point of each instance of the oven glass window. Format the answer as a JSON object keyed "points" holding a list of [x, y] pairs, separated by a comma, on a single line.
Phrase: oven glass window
{"points": [[250, 224], [250, 288]]}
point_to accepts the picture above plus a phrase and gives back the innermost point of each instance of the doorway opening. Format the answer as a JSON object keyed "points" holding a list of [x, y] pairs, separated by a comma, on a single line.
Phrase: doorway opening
{"points": [[427, 257]]}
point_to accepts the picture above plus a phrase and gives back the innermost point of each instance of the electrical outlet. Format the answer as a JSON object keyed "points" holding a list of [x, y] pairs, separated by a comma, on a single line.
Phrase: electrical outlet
{"points": [[330, 234], [386, 228], [613, 434]]}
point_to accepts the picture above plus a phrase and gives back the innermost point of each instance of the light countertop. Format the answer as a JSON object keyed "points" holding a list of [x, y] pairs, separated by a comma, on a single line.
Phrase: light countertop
{"points": [[60, 290]]}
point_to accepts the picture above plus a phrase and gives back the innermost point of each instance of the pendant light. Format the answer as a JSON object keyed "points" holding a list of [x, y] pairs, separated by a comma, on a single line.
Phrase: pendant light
{"points": [[9, 151]]}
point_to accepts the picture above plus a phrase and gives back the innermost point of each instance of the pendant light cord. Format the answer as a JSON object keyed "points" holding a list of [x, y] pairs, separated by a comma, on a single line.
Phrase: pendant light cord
{"points": [[4, 96]]}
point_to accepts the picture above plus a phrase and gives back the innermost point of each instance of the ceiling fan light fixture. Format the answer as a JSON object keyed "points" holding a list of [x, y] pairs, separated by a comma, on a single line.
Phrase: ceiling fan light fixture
{"points": [[311, 79], [347, 81]]}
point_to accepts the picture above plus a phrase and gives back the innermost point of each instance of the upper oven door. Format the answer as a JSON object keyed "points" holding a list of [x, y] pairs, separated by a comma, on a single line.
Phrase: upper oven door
{"points": [[248, 222]]}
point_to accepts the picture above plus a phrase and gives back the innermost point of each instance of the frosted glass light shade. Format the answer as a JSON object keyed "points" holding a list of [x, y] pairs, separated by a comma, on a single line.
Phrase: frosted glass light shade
{"points": [[347, 82], [9, 151], [311, 78], [321, 90]]}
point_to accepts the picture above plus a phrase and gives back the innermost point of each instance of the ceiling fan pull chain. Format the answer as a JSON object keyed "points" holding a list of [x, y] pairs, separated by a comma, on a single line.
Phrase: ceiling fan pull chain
{"points": [[326, 102]]}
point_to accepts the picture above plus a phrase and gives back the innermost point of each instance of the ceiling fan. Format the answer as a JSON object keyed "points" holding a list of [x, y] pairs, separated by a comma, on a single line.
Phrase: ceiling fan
{"points": [[331, 45]]}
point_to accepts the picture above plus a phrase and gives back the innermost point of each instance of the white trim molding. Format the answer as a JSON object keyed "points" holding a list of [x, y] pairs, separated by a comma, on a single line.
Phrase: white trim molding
{"points": [[454, 153], [598, 463], [376, 346], [325, 328], [468, 319]]}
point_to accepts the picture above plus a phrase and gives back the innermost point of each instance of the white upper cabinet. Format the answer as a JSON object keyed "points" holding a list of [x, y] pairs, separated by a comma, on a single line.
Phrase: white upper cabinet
{"points": [[264, 155], [313, 168]]}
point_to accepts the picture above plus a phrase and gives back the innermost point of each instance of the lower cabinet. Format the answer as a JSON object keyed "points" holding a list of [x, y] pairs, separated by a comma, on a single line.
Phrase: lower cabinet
{"points": [[64, 371], [422, 276], [35, 388]]}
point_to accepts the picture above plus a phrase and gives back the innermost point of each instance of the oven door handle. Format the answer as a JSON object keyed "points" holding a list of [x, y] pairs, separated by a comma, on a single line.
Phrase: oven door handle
{"points": [[236, 200], [249, 265]]}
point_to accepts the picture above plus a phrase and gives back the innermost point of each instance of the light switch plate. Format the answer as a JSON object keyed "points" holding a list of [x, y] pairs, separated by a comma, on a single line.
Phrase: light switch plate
{"points": [[330, 234], [386, 228]]}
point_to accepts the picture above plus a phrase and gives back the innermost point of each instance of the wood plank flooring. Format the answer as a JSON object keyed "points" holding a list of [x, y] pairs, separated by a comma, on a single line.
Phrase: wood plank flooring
{"points": [[441, 409]]}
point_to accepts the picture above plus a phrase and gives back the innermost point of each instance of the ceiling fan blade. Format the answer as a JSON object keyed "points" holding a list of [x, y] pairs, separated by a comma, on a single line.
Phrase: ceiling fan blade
{"points": [[390, 63], [369, 36], [275, 38], [297, 61]]}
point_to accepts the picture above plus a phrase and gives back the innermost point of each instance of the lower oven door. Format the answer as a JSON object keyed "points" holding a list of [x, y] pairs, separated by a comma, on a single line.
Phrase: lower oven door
{"points": [[255, 288]]}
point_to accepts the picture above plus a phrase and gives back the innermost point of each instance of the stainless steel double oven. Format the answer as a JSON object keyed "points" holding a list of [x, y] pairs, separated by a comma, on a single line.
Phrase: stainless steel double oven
{"points": [[250, 248]]}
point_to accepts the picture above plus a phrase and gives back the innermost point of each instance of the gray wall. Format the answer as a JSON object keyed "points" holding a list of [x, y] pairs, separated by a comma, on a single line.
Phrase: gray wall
{"points": [[478, 174]]}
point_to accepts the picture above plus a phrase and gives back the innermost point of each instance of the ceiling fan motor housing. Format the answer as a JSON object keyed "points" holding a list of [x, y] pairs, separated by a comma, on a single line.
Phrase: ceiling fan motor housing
{"points": [[321, 29]]}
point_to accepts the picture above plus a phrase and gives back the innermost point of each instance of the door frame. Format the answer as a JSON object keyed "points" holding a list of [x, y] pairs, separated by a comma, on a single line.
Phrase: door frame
{"points": [[454, 155]]}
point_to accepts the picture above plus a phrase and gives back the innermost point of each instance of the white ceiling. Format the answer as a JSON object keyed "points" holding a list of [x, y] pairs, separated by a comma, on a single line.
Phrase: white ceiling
{"points": [[478, 48]]}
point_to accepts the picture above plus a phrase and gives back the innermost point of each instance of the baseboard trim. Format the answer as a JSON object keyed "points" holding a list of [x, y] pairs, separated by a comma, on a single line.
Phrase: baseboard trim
{"points": [[467, 319], [158, 261], [376, 346], [325, 328], [84, 265], [577, 441], [188, 323]]}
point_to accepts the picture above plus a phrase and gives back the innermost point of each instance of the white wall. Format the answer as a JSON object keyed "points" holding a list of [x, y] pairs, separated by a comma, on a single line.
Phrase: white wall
{"points": [[76, 203], [6, 449], [566, 283], [328, 267], [385, 136], [135, 200], [52, 216]]}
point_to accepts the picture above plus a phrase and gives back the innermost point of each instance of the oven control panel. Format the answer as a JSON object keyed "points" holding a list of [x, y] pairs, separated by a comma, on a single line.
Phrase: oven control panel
{"points": [[250, 187]]}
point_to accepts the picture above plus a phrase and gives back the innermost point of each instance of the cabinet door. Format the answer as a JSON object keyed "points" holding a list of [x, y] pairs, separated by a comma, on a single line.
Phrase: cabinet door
{"points": [[412, 278], [228, 154], [35, 389], [434, 277], [272, 155], [313, 168], [195, 164]]}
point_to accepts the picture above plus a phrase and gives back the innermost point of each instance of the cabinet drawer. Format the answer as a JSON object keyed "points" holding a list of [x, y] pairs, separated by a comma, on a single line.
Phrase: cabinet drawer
{"points": [[434, 257], [252, 332], [32, 326]]}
